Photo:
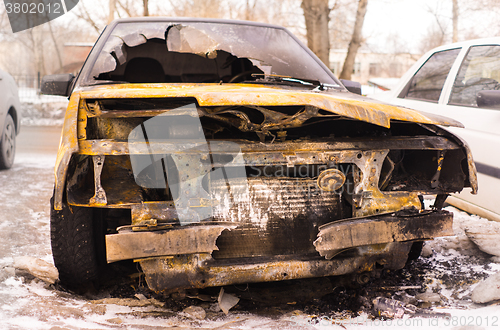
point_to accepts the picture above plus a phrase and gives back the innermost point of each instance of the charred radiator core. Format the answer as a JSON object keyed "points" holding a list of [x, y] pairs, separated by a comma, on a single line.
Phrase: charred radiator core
{"points": [[278, 216]]}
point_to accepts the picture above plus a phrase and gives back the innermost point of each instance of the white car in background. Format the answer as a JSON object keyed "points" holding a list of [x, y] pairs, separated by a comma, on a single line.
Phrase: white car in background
{"points": [[462, 81], [10, 119]]}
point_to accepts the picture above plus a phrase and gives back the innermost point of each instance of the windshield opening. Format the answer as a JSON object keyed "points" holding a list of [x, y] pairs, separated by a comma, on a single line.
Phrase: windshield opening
{"points": [[194, 52]]}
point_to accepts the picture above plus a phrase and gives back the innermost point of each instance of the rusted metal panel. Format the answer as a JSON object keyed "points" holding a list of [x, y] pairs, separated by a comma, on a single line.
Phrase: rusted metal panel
{"points": [[160, 211], [396, 227], [185, 240], [471, 165], [99, 198], [67, 146], [200, 270], [112, 147]]}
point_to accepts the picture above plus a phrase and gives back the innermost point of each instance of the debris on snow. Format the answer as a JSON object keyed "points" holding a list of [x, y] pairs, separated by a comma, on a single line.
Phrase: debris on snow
{"points": [[395, 309], [196, 312], [201, 297], [488, 290], [130, 302], [403, 287], [96, 309], [429, 297], [391, 309], [38, 268], [460, 242], [227, 301], [140, 296], [115, 320], [486, 235]]}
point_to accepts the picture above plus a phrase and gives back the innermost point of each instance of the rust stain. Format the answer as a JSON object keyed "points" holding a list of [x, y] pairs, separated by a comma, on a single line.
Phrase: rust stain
{"points": [[67, 146]]}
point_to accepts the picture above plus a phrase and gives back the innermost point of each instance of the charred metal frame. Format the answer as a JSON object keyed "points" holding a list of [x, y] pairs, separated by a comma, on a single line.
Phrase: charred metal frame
{"points": [[364, 218], [174, 257], [201, 270]]}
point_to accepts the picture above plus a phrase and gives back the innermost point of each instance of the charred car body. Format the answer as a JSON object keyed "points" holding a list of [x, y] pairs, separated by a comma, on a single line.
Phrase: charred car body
{"points": [[223, 152]]}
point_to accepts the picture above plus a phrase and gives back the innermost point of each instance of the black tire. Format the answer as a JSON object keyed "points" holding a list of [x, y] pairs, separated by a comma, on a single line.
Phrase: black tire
{"points": [[74, 247], [8, 144]]}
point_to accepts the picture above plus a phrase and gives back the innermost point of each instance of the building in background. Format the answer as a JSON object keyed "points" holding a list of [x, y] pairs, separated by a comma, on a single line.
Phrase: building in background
{"points": [[370, 65], [74, 55]]}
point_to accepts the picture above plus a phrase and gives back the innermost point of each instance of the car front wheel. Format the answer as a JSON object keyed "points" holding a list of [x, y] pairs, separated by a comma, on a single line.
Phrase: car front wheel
{"points": [[8, 144], [74, 247]]}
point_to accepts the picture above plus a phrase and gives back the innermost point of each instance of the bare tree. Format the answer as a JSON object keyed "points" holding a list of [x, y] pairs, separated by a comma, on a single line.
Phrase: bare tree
{"points": [[93, 20], [438, 33], [98, 14], [316, 14], [356, 41], [146, 7], [342, 23], [462, 11], [199, 8], [112, 8], [455, 20], [250, 10], [125, 7], [54, 40]]}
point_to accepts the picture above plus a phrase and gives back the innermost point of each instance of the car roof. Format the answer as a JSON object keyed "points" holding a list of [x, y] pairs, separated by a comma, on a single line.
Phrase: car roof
{"points": [[193, 20], [467, 43]]}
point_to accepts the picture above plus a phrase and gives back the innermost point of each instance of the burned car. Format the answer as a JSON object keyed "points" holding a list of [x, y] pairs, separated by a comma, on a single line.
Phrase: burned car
{"points": [[217, 152]]}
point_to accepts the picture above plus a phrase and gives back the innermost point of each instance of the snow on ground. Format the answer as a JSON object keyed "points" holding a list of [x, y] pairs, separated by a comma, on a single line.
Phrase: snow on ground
{"points": [[33, 96], [41, 110], [32, 304]]}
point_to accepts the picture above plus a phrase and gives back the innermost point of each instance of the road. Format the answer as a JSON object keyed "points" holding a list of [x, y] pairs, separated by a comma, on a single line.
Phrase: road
{"points": [[32, 304], [38, 140]]}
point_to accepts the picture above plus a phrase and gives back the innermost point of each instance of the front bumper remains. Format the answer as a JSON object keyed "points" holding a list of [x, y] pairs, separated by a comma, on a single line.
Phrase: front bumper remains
{"points": [[181, 257]]}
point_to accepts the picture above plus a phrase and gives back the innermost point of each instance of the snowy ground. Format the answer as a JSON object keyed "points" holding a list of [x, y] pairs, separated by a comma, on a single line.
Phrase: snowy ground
{"points": [[451, 268], [41, 110]]}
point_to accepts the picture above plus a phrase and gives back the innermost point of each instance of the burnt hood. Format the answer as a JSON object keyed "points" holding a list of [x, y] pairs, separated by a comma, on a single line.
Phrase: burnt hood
{"points": [[207, 95]]}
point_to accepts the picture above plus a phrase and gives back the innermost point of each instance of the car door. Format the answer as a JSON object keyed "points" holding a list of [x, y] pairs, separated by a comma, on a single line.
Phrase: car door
{"points": [[4, 98], [479, 71]]}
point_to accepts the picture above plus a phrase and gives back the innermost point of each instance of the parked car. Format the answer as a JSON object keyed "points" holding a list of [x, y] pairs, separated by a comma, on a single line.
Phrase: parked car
{"points": [[10, 119], [461, 81], [217, 152]]}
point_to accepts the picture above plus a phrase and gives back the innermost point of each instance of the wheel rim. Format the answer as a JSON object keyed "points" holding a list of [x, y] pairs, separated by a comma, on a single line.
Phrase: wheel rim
{"points": [[9, 142]]}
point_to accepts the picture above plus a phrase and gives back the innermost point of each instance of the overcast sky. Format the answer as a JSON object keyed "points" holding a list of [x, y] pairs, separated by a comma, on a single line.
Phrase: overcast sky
{"points": [[412, 19]]}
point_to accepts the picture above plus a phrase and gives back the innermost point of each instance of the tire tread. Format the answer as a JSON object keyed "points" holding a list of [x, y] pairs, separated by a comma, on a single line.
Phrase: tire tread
{"points": [[73, 246]]}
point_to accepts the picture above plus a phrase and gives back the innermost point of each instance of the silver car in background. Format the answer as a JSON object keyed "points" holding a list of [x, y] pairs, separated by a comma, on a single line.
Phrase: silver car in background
{"points": [[10, 119]]}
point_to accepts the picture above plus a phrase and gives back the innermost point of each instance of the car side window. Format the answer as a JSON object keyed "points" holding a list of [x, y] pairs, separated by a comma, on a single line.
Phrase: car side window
{"points": [[480, 71], [428, 82]]}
